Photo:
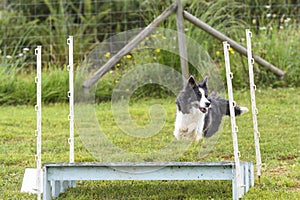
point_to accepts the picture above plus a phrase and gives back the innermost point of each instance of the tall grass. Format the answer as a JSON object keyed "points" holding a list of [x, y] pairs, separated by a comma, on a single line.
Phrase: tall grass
{"points": [[63, 23], [19, 88], [276, 41], [12, 53], [282, 49]]}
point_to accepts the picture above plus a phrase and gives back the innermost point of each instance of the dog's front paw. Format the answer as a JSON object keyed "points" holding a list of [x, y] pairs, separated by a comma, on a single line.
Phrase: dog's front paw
{"points": [[183, 129]]}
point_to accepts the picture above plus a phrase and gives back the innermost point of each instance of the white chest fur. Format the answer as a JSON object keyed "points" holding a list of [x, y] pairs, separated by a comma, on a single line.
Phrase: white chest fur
{"points": [[189, 126]]}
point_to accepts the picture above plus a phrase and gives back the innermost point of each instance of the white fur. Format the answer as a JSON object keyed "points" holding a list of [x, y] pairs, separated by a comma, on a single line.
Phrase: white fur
{"points": [[203, 100], [244, 110], [190, 126]]}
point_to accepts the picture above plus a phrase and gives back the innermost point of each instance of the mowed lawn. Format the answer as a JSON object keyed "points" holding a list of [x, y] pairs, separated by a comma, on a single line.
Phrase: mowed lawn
{"points": [[279, 125]]}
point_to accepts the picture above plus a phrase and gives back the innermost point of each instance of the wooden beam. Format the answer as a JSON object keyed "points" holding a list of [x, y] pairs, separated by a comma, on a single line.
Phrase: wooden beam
{"points": [[182, 42], [239, 48], [127, 48]]}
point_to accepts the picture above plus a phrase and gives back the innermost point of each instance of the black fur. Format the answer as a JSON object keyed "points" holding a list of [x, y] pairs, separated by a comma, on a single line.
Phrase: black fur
{"points": [[213, 119]]}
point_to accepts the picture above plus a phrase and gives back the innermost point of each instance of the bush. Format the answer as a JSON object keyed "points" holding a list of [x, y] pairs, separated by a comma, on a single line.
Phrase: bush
{"points": [[276, 40], [20, 88]]}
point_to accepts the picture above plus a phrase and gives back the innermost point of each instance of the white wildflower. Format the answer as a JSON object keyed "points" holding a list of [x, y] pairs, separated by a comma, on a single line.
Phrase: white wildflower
{"points": [[262, 28], [287, 20]]}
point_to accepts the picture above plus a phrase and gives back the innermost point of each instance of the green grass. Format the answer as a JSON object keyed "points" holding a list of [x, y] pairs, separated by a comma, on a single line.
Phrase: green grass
{"points": [[279, 116]]}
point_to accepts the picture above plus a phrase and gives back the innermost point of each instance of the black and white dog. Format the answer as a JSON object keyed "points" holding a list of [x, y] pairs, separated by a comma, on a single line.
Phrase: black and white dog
{"points": [[199, 114]]}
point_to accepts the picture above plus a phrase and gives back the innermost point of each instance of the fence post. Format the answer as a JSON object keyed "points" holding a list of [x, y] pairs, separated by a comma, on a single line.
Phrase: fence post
{"points": [[38, 108], [253, 102], [71, 97], [234, 129], [182, 42]]}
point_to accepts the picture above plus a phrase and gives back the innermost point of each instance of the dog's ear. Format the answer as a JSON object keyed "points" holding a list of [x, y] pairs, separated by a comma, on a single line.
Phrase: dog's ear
{"points": [[203, 83], [191, 81]]}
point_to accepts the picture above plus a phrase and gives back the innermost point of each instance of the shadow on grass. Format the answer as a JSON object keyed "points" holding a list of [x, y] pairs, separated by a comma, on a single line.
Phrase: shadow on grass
{"points": [[150, 190]]}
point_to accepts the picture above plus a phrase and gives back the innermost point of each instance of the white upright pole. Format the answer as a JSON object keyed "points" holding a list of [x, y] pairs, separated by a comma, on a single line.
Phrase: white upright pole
{"points": [[38, 108], [71, 98], [253, 102], [234, 128]]}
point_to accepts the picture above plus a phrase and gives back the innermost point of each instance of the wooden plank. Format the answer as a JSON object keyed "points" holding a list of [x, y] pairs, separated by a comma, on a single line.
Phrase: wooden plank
{"points": [[239, 48], [127, 48], [182, 43]]}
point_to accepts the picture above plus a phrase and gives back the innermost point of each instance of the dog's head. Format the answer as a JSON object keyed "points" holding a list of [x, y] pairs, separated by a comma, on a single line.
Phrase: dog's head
{"points": [[194, 95]]}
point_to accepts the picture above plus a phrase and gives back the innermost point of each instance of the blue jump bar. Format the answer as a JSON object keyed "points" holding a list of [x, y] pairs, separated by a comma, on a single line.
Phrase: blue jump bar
{"points": [[59, 176]]}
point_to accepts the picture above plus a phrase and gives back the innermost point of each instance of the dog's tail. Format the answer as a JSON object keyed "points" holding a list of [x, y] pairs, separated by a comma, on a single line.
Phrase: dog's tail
{"points": [[238, 110], [223, 106]]}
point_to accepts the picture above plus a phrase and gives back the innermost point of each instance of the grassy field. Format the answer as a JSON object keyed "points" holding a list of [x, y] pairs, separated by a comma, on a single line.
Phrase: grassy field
{"points": [[279, 117]]}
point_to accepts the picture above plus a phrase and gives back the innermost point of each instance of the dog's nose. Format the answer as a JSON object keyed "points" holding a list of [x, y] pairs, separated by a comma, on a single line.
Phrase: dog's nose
{"points": [[207, 104]]}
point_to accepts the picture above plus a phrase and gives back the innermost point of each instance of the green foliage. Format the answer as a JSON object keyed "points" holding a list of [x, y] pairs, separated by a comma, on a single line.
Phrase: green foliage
{"points": [[223, 16], [55, 85], [12, 55], [272, 14], [20, 88], [280, 48], [15, 91], [275, 38], [63, 23]]}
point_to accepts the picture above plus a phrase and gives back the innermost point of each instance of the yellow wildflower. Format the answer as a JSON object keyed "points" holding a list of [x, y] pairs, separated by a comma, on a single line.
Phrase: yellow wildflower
{"points": [[217, 53], [157, 50], [128, 56], [107, 54], [231, 50]]}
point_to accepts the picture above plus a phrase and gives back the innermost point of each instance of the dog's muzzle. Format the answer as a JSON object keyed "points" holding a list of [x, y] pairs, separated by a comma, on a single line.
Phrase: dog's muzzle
{"points": [[205, 109]]}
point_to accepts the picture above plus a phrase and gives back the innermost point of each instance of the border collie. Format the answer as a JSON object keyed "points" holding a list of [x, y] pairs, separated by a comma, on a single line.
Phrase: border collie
{"points": [[199, 114]]}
